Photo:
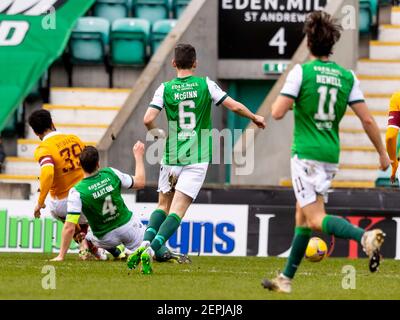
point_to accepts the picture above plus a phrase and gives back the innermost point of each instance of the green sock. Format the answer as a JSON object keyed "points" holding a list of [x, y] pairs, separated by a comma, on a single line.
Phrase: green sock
{"points": [[162, 254], [167, 229], [299, 245], [341, 228], [156, 220]]}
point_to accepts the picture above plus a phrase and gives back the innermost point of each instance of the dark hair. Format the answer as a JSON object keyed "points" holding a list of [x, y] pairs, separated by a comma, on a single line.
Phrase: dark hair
{"points": [[40, 121], [185, 56], [89, 159], [322, 32]]}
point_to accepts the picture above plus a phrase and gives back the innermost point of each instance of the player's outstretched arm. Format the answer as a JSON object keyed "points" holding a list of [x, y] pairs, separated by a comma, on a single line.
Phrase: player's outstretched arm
{"points": [[66, 238], [243, 111], [281, 107], [140, 173], [46, 181], [391, 147], [393, 132], [373, 132]]}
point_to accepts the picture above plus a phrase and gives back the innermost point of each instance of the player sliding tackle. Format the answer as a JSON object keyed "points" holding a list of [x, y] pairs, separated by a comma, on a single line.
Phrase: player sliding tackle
{"points": [[98, 198], [320, 91], [187, 101], [58, 157]]}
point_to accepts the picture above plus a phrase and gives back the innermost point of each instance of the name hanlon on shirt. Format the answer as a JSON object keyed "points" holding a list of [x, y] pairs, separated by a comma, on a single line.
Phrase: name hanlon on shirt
{"points": [[186, 95], [102, 192], [334, 81]]}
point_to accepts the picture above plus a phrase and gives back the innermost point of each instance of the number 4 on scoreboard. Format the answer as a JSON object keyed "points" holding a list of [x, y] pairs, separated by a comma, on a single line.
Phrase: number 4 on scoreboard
{"points": [[279, 41]]}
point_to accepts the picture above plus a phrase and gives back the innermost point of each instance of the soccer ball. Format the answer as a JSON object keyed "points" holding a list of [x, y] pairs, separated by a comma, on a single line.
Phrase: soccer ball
{"points": [[316, 250]]}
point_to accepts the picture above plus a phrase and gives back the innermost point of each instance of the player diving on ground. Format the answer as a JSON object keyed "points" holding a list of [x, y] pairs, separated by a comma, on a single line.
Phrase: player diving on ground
{"points": [[98, 198]]}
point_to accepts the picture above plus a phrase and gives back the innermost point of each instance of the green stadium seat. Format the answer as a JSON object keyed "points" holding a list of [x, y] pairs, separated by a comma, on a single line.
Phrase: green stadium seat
{"points": [[179, 6], [89, 40], [374, 5], [368, 15], [365, 19], [151, 10], [129, 40], [111, 9], [160, 30], [383, 180]]}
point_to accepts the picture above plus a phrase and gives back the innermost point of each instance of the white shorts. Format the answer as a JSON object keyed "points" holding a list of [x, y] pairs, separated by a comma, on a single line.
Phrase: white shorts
{"points": [[311, 179], [130, 235], [58, 209], [186, 179]]}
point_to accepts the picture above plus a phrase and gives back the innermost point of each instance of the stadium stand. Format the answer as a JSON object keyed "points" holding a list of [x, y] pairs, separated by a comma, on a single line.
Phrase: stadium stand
{"points": [[179, 6], [128, 32], [129, 40], [89, 40], [112, 9], [380, 77], [151, 10], [366, 17], [160, 30], [86, 112]]}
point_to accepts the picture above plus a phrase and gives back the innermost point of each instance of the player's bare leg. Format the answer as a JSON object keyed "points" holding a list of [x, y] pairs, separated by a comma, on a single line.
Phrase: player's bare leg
{"points": [[315, 214], [158, 216], [180, 204]]}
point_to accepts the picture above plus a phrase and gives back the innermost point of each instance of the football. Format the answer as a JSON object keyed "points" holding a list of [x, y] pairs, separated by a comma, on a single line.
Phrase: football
{"points": [[316, 250]]}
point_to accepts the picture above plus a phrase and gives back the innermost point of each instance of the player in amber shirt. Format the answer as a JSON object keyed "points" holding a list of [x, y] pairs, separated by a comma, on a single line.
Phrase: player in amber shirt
{"points": [[58, 157], [392, 133]]}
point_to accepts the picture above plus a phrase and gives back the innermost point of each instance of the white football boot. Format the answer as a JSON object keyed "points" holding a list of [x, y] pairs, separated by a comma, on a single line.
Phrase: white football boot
{"points": [[372, 242], [100, 254], [280, 284]]}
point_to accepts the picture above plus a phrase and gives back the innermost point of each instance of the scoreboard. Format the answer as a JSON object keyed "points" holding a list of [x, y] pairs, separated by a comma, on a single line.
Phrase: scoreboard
{"points": [[262, 29]]}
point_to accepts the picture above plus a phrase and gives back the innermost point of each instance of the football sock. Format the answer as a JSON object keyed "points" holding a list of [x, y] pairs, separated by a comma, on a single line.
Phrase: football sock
{"points": [[299, 245], [341, 228], [167, 229], [115, 252], [156, 220]]}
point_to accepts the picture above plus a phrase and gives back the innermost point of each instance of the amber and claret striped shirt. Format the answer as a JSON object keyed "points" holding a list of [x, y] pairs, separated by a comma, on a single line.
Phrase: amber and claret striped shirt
{"points": [[61, 151]]}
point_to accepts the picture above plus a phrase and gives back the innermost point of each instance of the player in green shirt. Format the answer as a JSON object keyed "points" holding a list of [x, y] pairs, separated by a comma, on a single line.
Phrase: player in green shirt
{"points": [[319, 91], [188, 101], [98, 198]]}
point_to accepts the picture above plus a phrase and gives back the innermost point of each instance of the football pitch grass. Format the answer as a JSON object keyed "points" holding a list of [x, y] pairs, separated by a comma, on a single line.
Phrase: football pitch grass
{"points": [[207, 278]]}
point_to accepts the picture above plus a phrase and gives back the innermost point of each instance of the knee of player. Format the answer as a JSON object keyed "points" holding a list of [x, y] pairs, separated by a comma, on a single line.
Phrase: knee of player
{"points": [[314, 224]]}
